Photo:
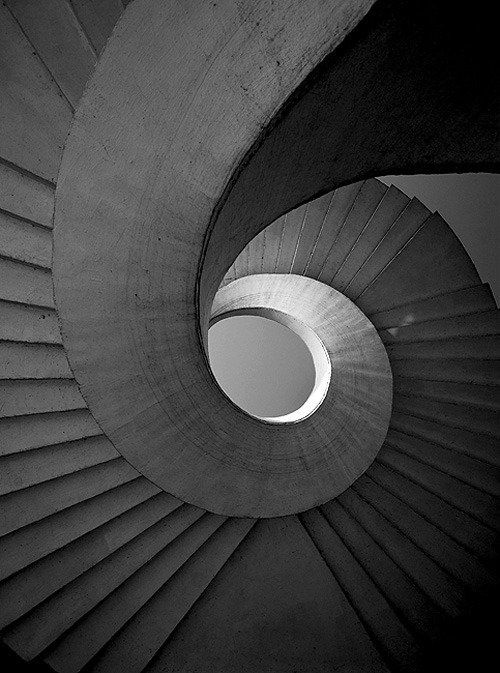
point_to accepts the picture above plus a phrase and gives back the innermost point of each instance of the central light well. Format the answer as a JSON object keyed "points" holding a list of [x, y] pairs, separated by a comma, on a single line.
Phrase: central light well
{"points": [[267, 368]]}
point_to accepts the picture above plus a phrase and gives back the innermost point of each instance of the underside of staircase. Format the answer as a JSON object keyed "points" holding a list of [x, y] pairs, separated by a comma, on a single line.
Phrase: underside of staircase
{"points": [[109, 563]]}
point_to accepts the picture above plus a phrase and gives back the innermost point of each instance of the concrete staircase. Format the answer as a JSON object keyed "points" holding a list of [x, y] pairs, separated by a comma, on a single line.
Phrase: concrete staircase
{"points": [[101, 570], [83, 534]]}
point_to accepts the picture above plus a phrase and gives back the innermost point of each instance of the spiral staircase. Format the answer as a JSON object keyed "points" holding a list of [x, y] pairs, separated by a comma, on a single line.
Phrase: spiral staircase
{"points": [[148, 524]]}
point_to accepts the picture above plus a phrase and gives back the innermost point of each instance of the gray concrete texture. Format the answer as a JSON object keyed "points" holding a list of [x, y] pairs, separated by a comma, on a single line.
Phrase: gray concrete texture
{"points": [[188, 143]]}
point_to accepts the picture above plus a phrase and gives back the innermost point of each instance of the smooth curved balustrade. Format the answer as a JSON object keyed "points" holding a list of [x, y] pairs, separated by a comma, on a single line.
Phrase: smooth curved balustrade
{"points": [[342, 435], [196, 158], [128, 312]]}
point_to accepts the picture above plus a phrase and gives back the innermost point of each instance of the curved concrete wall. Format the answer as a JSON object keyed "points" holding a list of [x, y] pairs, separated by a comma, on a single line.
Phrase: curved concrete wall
{"points": [[139, 180]]}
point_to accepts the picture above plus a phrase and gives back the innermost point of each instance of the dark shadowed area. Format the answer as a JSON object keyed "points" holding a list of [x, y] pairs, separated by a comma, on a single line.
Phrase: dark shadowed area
{"points": [[470, 204]]}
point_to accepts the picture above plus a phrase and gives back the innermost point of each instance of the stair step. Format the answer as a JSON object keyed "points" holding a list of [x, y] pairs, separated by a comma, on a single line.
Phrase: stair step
{"points": [[35, 116], [363, 209], [20, 397], [413, 607], [315, 216], [168, 542], [25, 197], [431, 263], [473, 472], [460, 526], [380, 251], [483, 347], [25, 242], [273, 237], [277, 563], [255, 254], [30, 324], [476, 503], [135, 645], [33, 361], [34, 542], [459, 393], [91, 634], [55, 34], [473, 419], [342, 202], [468, 301], [391, 637], [48, 575], [22, 433], [432, 581], [98, 19], [240, 264], [471, 325], [26, 284], [462, 370], [21, 470], [433, 541], [25, 507], [482, 447], [387, 214], [293, 226]]}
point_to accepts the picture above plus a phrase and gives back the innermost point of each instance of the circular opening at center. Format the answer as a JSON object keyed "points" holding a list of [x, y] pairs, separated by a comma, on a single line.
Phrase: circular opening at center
{"points": [[263, 366]]}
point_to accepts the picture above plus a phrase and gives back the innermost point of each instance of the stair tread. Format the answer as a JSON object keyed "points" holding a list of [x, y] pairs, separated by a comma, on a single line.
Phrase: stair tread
{"points": [[395, 238], [23, 241], [21, 470], [36, 117], [134, 646], [462, 496], [387, 214], [462, 370], [466, 301], [59, 41], [413, 607], [463, 347], [32, 543], [316, 213], [49, 574], [150, 551], [432, 540], [462, 440], [24, 197], [391, 637], [432, 581], [459, 525], [277, 570], [27, 506], [21, 433], [459, 393], [470, 325], [432, 262], [473, 419], [365, 205], [29, 324], [20, 397], [90, 635], [26, 284], [98, 19], [33, 361], [342, 201]]}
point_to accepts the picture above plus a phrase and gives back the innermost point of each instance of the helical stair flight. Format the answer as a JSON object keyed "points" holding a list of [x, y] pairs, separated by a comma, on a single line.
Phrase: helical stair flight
{"points": [[220, 162]]}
